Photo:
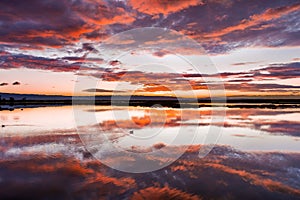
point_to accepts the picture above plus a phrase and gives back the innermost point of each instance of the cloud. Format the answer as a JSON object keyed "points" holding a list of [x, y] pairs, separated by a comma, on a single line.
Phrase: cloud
{"points": [[219, 26], [244, 63], [165, 7], [16, 83], [159, 145], [39, 22], [103, 13], [271, 72], [268, 15], [161, 53], [155, 88], [259, 87], [102, 90], [14, 61], [3, 84], [56, 24], [281, 127], [248, 81], [114, 63]]}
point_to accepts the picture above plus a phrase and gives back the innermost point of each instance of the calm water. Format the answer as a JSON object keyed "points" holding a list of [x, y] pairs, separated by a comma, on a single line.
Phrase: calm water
{"points": [[256, 156], [244, 129]]}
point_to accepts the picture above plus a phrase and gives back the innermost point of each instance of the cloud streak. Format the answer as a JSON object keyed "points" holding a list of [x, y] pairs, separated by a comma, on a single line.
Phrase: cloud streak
{"points": [[254, 20]]}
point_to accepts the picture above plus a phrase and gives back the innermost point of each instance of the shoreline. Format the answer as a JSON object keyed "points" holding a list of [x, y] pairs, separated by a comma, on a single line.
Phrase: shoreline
{"points": [[270, 104]]}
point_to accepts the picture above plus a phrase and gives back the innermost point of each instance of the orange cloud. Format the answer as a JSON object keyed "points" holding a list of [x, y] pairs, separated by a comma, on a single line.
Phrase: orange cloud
{"points": [[122, 18], [157, 88], [153, 7], [268, 15]]}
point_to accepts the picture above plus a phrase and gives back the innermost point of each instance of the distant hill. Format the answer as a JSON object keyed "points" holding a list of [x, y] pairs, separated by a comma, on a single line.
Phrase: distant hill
{"points": [[37, 97], [34, 97], [236, 99]]}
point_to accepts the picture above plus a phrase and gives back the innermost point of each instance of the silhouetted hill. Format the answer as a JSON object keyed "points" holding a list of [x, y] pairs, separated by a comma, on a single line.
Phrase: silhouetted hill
{"points": [[17, 100]]}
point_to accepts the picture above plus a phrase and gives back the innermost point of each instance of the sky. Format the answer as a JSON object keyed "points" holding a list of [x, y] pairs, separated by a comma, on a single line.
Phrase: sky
{"points": [[150, 47]]}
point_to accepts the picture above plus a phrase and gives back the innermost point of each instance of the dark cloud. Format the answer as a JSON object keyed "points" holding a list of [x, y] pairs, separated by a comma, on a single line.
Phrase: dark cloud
{"points": [[88, 47], [161, 53], [39, 22], [3, 84], [271, 72], [280, 71], [282, 127], [16, 83], [101, 90], [244, 63], [14, 61], [248, 87], [114, 63]]}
